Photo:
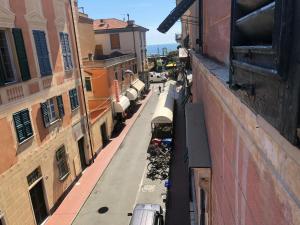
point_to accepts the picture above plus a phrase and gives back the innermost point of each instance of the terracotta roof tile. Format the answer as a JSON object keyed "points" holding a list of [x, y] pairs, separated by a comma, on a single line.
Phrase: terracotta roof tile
{"points": [[107, 24]]}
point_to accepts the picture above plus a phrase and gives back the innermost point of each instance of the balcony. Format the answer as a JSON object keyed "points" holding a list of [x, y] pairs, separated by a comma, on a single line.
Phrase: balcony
{"points": [[108, 60]]}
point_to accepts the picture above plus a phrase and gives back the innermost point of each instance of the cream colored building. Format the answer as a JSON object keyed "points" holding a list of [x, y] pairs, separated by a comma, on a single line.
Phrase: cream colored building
{"points": [[113, 35]]}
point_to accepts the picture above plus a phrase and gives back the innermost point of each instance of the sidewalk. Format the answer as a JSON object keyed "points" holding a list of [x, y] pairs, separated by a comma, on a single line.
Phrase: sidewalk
{"points": [[71, 205], [178, 196]]}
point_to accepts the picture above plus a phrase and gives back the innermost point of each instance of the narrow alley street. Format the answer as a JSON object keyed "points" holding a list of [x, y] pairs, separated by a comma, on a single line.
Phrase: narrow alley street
{"points": [[123, 183]]}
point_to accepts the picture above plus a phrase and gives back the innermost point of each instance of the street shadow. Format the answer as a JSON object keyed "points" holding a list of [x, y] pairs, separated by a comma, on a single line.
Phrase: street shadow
{"points": [[118, 129], [133, 110]]}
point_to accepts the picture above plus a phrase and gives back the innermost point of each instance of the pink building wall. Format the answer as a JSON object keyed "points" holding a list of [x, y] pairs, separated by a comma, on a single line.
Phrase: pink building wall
{"points": [[255, 171]]}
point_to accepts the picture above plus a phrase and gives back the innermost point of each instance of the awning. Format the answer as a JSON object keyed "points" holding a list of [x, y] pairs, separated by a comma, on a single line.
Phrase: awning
{"points": [[196, 137], [164, 110], [183, 53], [122, 105], [138, 85], [128, 71], [175, 14], [171, 65], [131, 94]]}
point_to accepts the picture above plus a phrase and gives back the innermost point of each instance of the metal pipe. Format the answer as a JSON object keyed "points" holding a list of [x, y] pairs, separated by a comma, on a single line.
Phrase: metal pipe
{"points": [[80, 73]]}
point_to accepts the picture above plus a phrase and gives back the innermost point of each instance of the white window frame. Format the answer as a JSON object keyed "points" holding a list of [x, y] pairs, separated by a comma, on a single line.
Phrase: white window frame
{"points": [[64, 161], [52, 112], [11, 57]]}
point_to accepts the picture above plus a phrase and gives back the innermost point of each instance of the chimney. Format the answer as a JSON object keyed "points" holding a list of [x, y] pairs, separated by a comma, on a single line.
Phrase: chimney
{"points": [[130, 23]]}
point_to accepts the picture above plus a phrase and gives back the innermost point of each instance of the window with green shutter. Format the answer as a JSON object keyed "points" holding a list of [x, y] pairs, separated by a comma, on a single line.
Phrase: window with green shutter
{"points": [[62, 164], [60, 106], [21, 53], [66, 50], [73, 99], [23, 125], [88, 84], [42, 52], [6, 67], [52, 110]]}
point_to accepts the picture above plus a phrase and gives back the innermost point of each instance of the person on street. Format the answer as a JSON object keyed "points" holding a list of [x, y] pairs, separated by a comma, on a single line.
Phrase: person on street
{"points": [[159, 88]]}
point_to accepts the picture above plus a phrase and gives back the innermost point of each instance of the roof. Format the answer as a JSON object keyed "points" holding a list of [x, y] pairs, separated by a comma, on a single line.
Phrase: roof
{"points": [[106, 24], [196, 137], [115, 25]]}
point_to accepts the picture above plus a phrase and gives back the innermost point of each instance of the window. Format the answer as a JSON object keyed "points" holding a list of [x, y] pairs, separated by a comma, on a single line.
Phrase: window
{"points": [[52, 110], [74, 99], [34, 176], [262, 65], [6, 69], [88, 84], [115, 41], [66, 50], [23, 125], [61, 159], [42, 52]]}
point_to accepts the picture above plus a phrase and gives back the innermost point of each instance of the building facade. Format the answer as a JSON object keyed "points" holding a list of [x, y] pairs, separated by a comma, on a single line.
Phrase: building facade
{"points": [[246, 77], [44, 138], [108, 82], [113, 35]]}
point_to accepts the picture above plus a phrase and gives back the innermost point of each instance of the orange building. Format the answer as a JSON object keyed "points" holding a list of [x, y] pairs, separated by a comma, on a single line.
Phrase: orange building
{"points": [[111, 83], [44, 141]]}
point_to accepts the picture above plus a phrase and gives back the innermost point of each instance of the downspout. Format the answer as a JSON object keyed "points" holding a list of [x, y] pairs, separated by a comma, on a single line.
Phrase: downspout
{"points": [[80, 73], [134, 45]]}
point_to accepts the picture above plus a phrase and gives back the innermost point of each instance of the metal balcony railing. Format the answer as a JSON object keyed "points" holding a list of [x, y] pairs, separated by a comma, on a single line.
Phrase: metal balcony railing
{"points": [[107, 61]]}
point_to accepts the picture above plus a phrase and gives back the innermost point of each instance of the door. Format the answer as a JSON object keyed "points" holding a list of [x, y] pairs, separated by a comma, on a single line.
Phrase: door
{"points": [[104, 134], [38, 202], [82, 153], [98, 50]]}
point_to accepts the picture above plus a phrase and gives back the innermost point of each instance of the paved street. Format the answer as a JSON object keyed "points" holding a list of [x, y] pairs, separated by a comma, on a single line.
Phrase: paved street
{"points": [[124, 182]]}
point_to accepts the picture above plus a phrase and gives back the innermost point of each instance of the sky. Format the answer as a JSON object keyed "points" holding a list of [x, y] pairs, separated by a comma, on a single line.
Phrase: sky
{"points": [[148, 14]]}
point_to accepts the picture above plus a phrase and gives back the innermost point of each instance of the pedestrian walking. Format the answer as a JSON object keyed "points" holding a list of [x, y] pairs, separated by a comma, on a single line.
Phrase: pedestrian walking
{"points": [[159, 88]]}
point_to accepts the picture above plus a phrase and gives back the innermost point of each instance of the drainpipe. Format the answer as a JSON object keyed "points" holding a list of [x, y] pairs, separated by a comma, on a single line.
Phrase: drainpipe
{"points": [[134, 43], [82, 87]]}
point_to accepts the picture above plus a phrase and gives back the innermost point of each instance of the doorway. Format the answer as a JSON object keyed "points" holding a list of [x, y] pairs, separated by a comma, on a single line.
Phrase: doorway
{"points": [[104, 135], [82, 153], [38, 202], [98, 50]]}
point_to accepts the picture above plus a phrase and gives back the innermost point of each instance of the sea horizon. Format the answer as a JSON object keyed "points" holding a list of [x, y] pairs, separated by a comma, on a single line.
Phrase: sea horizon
{"points": [[154, 49]]}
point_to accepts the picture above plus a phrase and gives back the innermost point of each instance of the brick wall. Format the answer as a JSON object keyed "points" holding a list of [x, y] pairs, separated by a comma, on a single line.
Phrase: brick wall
{"points": [[255, 172]]}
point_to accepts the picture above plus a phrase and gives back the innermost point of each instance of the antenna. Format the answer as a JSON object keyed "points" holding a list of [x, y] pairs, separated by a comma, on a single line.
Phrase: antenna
{"points": [[82, 8]]}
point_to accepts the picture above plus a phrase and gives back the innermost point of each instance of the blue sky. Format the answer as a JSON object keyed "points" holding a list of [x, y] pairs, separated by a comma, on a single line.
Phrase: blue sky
{"points": [[148, 14]]}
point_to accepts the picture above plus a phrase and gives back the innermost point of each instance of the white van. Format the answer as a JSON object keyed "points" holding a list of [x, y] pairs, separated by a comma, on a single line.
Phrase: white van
{"points": [[157, 77], [147, 214]]}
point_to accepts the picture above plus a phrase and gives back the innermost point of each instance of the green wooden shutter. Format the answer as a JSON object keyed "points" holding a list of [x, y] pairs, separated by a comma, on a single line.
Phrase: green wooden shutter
{"points": [[26, 123], [45, 114], [2, 77], [68, 51], [60, 106], [72, 99], [19, 127], [75, 98], [42, 52], [21, 52]]}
